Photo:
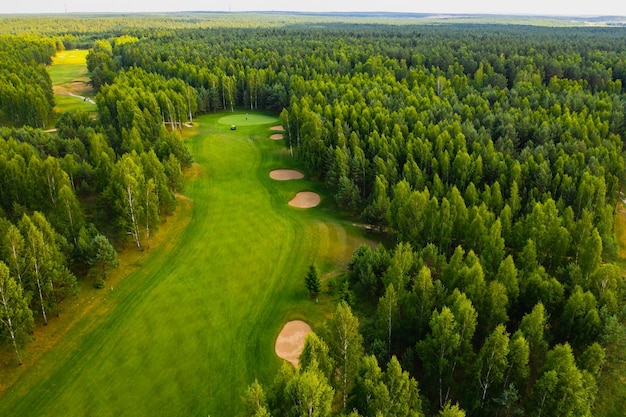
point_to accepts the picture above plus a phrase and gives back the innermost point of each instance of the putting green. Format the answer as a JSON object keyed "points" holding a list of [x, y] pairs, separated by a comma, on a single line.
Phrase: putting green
{"points": [[246, 119]]}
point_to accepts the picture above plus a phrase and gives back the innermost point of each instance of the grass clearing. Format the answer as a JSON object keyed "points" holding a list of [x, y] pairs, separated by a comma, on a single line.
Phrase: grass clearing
{"points": [[246, 119], [196, 322], [68, 103], [70, 81]]}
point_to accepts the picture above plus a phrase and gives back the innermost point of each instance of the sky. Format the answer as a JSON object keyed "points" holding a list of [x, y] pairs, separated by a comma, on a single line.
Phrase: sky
{"points": [[523, 7]]}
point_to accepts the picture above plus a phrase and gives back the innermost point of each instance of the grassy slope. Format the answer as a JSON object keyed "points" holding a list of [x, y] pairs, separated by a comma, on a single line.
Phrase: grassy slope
{"points": [[196, 322]]}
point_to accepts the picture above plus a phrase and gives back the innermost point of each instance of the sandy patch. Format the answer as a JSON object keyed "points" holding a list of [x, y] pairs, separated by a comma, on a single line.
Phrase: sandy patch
{"points": [[276, 136], [290, 341], [305, 199], [286, 174], [278, 128]]}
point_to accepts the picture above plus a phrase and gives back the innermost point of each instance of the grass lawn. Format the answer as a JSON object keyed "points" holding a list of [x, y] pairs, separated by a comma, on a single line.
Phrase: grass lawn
{"points": [[67, 103], [195, 323], [70, 81], [67, 66], [246, 119]]}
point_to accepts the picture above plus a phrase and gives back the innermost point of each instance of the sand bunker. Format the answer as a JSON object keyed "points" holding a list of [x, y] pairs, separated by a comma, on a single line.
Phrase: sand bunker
{"points": [[276, 136], [278, 128], [286, 174], [305, 199], [290, 341]]}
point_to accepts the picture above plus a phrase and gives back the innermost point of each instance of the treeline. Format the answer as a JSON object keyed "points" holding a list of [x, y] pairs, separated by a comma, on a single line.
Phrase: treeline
{"points": [[505, 184], [63, 195], [25, 88]]}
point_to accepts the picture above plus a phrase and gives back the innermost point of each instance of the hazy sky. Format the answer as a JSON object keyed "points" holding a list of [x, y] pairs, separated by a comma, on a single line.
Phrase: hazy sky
{"points": [[537, 7]]}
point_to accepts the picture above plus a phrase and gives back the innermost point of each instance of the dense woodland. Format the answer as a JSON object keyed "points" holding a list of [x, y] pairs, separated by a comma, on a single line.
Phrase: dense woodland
{"points": [[492, 155]]}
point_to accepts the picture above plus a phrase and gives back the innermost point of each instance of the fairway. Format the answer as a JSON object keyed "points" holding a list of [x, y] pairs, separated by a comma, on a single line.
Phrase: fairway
{"points": [[246, 119], [197, 322], [70, 81]]}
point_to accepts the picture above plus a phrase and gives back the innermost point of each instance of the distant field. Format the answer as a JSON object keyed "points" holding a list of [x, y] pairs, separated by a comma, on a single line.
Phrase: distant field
{"points": [[196, 323], [70, 81], [246, 119]]}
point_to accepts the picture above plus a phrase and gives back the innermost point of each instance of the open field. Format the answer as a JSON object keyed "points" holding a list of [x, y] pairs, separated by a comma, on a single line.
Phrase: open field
{"points": [[246, 119], [196, 322], [70, 81]]}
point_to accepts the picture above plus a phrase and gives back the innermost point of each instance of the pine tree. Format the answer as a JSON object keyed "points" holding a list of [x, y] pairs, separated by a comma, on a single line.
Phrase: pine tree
{"points": [[105, 256], [312, 282]]}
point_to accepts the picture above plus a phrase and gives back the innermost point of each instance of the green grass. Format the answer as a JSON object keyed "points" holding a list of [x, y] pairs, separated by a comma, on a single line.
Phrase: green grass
{"points": [[246, 119], [68, 66], [194, 325], [70, 81], [67, 73], [67, 103]]}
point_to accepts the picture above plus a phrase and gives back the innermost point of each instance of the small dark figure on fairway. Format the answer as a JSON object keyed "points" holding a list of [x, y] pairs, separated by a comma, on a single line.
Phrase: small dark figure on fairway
{"points": [[246, 116]]}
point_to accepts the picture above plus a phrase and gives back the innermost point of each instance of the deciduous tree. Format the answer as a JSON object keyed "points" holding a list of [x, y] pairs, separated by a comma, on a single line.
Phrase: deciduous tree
{"points": [[16, 319]]}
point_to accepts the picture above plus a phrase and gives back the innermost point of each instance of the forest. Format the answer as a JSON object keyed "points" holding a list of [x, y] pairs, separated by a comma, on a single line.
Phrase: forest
{"points": [[490, 157]]}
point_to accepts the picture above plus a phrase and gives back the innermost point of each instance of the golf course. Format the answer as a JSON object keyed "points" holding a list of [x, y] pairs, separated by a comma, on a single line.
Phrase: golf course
{"points": [[184, 328], [70, 81]]}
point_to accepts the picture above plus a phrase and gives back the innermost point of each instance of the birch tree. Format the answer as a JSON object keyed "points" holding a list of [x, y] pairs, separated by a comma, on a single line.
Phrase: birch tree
{"points": [[310, 394], [345, 343], [254, 401], [438, 350], [16, 319], [128, 180], [491, 364], [14, 252], [69, 213], [386, 314], [35, 248]]}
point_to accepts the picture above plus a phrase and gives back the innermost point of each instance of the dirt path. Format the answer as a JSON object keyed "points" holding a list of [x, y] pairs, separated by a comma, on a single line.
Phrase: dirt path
{"points": [[87, 99]]}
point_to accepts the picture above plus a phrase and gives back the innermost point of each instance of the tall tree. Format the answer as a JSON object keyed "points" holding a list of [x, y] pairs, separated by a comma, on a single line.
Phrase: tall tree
{"points": [[315, 353], [404, 399], [16, 319], [14, 252], [105, 255], [310, 394], [126, 187], [532, 326], [341, 333], [37, 281], [386, 314], [562, 389], [254, 402], [69, 213], [312, 282], [438, 351], [492, 362], [371, 394]]}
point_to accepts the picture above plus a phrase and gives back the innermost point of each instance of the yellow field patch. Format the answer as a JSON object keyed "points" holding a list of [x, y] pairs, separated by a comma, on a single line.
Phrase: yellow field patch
{"points": [[72, 57]]}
